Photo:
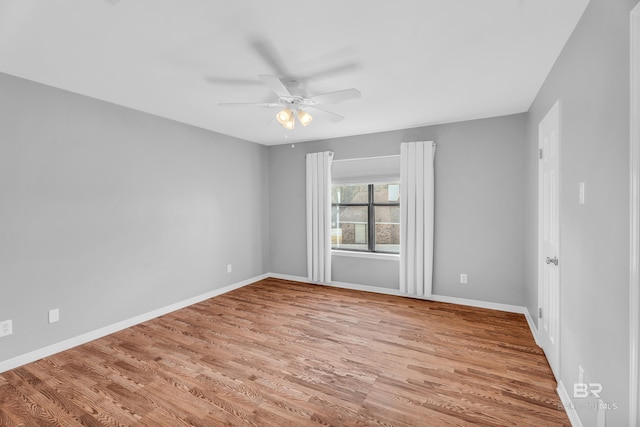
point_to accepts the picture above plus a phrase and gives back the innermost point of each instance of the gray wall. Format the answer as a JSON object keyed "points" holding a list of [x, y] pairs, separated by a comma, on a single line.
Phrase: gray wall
{"points": [[107, 213], [591, 78], [479, 219]]}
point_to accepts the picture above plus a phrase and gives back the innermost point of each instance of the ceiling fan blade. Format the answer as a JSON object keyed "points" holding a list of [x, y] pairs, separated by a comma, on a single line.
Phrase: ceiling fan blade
{"points": [[270, 56], [339, 96], [249, 104], [275, 84], [328, 115]]}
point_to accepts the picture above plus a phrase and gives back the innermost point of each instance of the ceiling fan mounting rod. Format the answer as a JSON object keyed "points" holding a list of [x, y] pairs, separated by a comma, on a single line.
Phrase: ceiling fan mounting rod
{"points": [[293, 102]]}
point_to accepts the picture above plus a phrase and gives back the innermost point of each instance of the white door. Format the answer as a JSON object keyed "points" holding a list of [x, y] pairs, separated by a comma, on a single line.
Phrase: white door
{"points": [[548, 237]]}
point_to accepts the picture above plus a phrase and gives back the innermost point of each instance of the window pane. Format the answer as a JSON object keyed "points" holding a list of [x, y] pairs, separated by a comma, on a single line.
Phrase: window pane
{"points": [[386, 193], [349, 228], [349, 194], [387, 228]]}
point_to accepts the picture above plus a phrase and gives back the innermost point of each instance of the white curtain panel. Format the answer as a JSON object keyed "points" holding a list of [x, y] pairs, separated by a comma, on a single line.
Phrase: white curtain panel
{"points": [[416, 217], [319, 216]]}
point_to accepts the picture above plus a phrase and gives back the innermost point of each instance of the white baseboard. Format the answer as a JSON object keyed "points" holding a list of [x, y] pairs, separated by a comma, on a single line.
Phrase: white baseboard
{"points": [[387, 291], [98, 333], [480, 304], [32, 356], [342, 285], [110, 329], [569, 408], [532, 327]]}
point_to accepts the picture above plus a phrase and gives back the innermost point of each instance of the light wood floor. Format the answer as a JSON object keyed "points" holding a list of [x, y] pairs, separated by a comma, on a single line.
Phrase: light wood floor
{"points": [[280, 353]]}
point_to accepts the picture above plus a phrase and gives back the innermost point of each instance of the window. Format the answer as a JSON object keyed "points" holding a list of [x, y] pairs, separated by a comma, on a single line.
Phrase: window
{"points": [[366, 217]]}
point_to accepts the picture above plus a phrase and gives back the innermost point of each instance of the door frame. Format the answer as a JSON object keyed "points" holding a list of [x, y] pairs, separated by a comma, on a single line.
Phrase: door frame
{"points": [[634, 226], [541, 256]]}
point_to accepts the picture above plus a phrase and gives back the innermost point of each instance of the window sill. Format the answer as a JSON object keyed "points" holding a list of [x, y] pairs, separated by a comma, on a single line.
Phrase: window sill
{"points": [[369, 255]]}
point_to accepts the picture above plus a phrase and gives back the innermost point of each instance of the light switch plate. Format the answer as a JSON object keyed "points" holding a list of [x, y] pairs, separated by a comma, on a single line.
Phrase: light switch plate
{"points": [[54, 315]]}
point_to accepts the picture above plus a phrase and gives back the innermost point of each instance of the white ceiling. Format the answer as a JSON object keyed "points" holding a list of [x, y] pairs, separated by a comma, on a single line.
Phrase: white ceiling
{"points": [[416, 62]]}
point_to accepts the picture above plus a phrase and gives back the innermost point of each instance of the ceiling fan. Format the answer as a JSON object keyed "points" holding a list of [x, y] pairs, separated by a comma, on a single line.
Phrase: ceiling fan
{"points": [[295, 102]]}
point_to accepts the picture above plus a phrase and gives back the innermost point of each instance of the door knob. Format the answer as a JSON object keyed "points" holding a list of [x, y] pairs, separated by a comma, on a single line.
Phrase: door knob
{"points": [[553, 260]]}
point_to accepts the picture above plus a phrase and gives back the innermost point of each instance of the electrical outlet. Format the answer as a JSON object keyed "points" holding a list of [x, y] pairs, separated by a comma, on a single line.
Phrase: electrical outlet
{"points": [[463, 279], [54, 315], [6, 328], [229, 268]]}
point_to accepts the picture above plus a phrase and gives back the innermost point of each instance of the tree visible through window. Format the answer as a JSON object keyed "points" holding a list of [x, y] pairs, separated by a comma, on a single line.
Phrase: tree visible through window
{"points": [[366, 217]]}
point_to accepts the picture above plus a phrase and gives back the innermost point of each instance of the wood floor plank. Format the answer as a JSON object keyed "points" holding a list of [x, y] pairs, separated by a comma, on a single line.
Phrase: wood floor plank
{"points": [[279, 353]]}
